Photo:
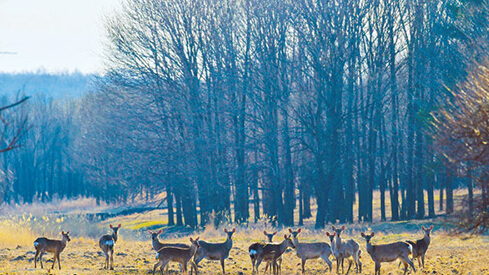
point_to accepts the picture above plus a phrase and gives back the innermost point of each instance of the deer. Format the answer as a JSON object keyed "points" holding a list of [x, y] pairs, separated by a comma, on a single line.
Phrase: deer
{"points": [[421, 246], [157, 245], [255, 248], [215, 251], [389, 253], [177, 254], [344, 250], [107, 243], [274, 251], [307, 251], [44, 245]]}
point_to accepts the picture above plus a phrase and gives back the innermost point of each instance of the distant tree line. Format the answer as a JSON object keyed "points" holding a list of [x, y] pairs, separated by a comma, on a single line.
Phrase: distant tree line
{"points": [[264, 106]]}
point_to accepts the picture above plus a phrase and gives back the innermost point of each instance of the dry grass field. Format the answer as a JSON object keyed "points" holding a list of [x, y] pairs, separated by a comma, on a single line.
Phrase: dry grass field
{"points": [[448, 253]]}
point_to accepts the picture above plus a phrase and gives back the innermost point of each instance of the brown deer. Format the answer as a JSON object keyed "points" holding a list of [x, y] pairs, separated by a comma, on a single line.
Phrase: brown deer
{"points": [[344, 250], [389, 253], [177, 254], [307, 251], [44, 245], [255, 248], [421, 246], [107, 243], [157, 245], [215, 251], [274, 251]]}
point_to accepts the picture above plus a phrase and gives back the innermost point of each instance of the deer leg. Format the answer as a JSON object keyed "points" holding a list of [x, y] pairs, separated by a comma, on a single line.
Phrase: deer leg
{"points": [[111, 260], [349, 266], [35, 258], [279, 264], [156, 266], [40, 258], [222, 264], [54, 261], [338, 264], [303, 264], [59, 262], [194, 266], [422, 260], [377, 268], [258, 262], [326, 259], [266, 268]]}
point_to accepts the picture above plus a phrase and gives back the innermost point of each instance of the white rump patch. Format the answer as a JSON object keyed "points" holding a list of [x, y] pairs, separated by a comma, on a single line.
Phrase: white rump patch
{"points": [[36, 244], [109, 243], [157, 255], [253, 252]]}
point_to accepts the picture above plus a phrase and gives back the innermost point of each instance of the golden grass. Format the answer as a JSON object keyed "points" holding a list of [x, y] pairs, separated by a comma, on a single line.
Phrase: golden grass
{"points": [[461, 254]]}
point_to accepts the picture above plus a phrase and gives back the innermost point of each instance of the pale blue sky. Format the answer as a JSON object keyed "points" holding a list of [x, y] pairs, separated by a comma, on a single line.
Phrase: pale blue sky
{"points": [[53, 35]]}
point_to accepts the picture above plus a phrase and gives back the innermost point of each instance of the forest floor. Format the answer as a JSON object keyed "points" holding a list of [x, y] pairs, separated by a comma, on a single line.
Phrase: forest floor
{"points": [[449, 253]]}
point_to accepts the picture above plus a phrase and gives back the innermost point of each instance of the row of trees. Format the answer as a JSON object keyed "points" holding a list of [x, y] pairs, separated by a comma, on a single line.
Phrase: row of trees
{"points": [[249, 108]]}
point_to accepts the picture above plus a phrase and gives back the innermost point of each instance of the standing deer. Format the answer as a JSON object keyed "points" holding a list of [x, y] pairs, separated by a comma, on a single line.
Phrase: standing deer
{"points": [[157, 245], [44, 245], [215, 251], [421, 246], [107, 243], [274, 251], [255, 248], [307, 251], [177, 254], [344, 250], [389, 253]]}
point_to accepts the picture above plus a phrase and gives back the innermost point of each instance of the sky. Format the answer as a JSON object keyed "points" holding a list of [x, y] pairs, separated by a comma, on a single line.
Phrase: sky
{"points": [[53, 36]]}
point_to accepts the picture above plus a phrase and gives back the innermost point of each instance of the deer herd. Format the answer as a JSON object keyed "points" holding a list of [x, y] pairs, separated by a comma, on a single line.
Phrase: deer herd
{"points": [[269, 252]]}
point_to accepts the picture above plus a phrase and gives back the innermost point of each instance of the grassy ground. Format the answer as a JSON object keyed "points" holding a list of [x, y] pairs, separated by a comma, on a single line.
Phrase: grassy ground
{"points": [[448, 253]]}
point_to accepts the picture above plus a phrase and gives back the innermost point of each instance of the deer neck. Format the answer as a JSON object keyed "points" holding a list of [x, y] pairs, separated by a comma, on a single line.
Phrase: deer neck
{"points": [[282, 247], [296, 241], [114, 236], [369, 247], [338, 242], [229, 243], [427, 239], [193, 250]]}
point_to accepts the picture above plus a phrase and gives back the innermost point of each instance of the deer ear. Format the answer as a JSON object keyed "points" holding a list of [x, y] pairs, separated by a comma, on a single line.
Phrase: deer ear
{"points": [[334, 228], [422, 227], [119, 226], [67, 232], [285, 236], [373, 233], [159, 232], [265, 232], [290, 230], [234, 230], [343, 227], [110, 226], [299, 230], [62, 232], [225, 230], [275, 233], [363, 234], [197, 238], [327, 233], [191, 240], [431, 227]]}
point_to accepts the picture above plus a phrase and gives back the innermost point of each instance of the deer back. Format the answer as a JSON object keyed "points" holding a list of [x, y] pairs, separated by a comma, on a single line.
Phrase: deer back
{"points": [[388, 252]]}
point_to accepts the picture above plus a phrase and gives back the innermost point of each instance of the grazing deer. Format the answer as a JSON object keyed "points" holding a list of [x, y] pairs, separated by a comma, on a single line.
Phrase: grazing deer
{"points": [[421, 246], [389, 253], [107, 243], [274, 251], [255, 248], [344, 250], [177, 254], [215, 251], [157, 245], [44, 245], [307, 251]]}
